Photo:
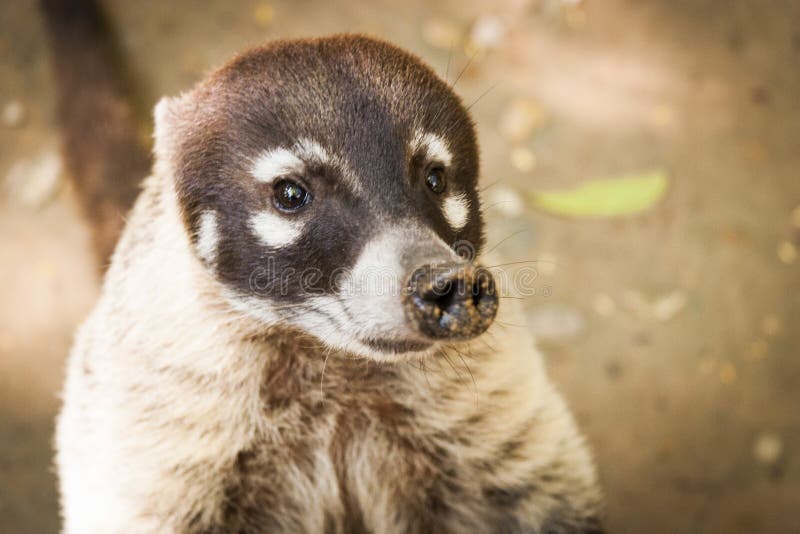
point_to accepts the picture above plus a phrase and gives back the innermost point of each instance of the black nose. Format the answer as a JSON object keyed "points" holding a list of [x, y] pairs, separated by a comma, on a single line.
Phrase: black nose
{"points": [[451, 300]]}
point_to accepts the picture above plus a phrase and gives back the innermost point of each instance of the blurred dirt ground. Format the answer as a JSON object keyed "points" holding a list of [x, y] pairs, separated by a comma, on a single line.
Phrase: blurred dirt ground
{"points": [[674, 334]]}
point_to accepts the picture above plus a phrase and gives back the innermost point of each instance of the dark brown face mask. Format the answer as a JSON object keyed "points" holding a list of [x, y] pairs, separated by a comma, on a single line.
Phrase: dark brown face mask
{"points": [[365, 103]]}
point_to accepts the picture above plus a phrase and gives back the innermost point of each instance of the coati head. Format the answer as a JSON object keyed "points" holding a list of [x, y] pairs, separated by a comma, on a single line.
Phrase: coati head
{"points": [[330, 185]]}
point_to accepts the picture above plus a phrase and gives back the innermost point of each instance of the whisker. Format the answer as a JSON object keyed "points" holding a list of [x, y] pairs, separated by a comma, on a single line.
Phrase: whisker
{"points": [[474, 384], [463, 70], [424, 372], [522, 231], [488, 346], [518, 263], [490, 206], [322, 375], [455, 124], [483, 94], [304, 306], [502, 323], [449, 57], [421, 367], [491, 185], [447, 359]]}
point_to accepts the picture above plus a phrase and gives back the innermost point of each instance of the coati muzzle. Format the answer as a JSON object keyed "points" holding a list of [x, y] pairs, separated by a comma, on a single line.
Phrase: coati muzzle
{"points": [[451, 300]]}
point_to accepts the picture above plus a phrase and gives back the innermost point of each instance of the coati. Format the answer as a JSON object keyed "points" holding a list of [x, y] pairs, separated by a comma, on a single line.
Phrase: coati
{"points": [[272, 347]]}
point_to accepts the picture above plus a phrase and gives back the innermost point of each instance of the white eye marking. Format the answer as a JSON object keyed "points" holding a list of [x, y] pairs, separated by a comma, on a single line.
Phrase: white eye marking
{"points": [[311, 150], [435, 147], [275, 163], [456, 210], [207, 236], [273, 230], [278, 162]]}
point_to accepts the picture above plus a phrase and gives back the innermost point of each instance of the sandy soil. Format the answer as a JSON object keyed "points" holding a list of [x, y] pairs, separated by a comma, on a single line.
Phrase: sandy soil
{"points": [[674, 334]]}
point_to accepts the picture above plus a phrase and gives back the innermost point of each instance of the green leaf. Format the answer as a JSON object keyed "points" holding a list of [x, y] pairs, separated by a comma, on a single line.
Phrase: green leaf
{"points": [[611, 197]]}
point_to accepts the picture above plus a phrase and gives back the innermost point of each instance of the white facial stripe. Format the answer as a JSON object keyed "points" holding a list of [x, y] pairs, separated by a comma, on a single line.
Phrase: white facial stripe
{"points": [[373, 288], [456, 210], [434, 146], [376, 280], [208, 236], [275, 231], [275, 163]]}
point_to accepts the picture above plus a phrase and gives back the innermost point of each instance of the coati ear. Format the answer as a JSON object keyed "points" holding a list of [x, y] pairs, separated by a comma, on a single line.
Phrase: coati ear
{"points": [[170, 114]]}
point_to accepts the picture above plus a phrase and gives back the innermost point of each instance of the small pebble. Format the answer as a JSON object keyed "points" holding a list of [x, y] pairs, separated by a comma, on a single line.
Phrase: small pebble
{"points": [[556, 322], [475, 53], [753, 151], [728, 374], [575, 17], [787, 252], [732, 235], [546, 263], [636, 303], [523, 159], [796, 217], [46, 270], [642, 338], [441, 33], [768, 449], [33, 182], [771, 325], [487, 32], [13, 113], [760, 95], [6, 341], [706, 366], [520, 119], [757, 350], [669, 306], [662, 115], [264, 14], [604, 305], [614, 370], [505, 200]]}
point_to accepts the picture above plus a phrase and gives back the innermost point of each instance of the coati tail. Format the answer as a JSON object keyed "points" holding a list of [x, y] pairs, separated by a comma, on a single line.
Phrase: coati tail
{"points": [[105, 157]]}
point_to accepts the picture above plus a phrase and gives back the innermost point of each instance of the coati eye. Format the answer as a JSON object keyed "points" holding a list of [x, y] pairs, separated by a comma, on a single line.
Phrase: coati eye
{"points": [[290, 196], [435, 180]]}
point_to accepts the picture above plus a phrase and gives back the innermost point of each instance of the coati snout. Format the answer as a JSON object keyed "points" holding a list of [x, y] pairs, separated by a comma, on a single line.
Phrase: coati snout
{"points": [[451, 300]]}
